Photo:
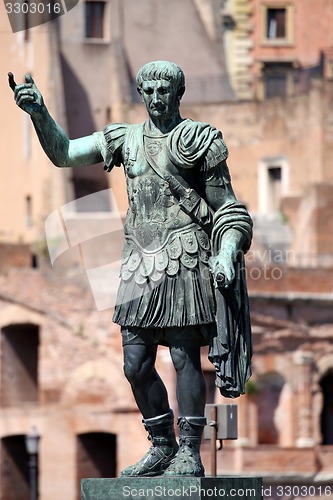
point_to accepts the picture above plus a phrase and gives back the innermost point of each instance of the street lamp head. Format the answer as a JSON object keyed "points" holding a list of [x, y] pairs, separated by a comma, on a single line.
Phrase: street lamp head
{"points": [[32, 441]]}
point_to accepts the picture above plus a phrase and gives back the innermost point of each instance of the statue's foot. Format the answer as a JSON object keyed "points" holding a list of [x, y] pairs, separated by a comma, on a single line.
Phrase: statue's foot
{"points": [[187, 462], [154, 463]]}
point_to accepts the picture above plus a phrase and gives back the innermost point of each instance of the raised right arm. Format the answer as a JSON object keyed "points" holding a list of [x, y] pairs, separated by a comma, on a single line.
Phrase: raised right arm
{"points": [[62, 151]]}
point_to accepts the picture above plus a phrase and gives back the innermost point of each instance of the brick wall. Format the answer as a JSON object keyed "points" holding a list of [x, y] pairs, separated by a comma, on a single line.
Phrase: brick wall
{"points": [[15, 255], [276, 279]]}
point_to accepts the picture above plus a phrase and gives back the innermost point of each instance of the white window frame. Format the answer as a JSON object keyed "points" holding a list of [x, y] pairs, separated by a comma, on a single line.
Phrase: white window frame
{"points": [[263, 180], [289, 38], [106, 24]]}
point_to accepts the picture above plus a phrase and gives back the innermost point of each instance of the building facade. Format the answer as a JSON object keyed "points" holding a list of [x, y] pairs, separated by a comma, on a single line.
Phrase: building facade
{"points": [[291, 43]]}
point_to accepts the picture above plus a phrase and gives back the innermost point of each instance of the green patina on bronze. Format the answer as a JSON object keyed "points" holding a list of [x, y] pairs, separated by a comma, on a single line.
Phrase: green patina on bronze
{"points": [[182, 276]]}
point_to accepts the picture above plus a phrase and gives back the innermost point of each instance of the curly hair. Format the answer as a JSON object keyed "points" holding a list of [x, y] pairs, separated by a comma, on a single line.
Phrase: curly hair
{"points": [[161, 70]]}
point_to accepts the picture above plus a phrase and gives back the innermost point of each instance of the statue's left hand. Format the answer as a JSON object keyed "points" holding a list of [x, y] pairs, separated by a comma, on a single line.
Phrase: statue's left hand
{"points": [[26, 95], [223, 270]]}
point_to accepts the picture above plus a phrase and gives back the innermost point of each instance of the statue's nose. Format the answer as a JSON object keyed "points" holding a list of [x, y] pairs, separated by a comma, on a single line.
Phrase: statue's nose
{"points": [[156, 96]]}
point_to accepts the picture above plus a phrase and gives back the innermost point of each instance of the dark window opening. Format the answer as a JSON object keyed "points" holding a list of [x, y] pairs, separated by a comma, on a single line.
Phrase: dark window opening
{"points": [[276, 23], [326, 419], [274, 174], [278, 79], [14, 475], [94, 14], [274, 188], [34, 261], [19, 365], [95, 456]]}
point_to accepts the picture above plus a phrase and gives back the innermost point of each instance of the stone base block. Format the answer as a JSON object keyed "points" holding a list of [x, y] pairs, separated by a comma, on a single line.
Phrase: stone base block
{"points": [[172, 488]]}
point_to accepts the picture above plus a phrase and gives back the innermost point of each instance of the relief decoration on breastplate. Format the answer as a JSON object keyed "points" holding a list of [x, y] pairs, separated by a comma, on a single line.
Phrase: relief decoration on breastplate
{"points": [[153, 209]]}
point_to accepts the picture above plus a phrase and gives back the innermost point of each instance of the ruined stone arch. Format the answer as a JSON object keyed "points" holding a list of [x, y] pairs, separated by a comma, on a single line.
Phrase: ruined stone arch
{"points": [[14, 470], [96, 456], [97, 382], [16, 314], [19, 357], [323, 365], [270, 387]]}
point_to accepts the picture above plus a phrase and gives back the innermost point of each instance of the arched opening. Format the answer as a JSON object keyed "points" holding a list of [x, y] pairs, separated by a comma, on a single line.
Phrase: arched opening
{"points": [[326, 418], [14, 482], [270, 387], [19, 365], [95, 456]]}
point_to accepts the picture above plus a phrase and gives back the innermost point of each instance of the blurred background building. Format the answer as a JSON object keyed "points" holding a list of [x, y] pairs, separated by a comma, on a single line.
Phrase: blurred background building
{"points": [[262, 72]]}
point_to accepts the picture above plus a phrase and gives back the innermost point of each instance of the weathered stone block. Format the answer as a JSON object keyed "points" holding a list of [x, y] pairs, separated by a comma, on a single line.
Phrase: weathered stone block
{"points": [[171, 488]]}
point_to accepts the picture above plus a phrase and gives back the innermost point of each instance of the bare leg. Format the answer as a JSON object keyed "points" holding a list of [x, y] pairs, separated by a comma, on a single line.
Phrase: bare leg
{"points": [[152, 399], [191, 387], [191, 396], [148, 389]]}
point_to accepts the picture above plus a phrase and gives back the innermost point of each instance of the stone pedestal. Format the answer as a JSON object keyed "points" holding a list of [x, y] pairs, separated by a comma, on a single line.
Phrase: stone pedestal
{"points": [[172, 488]]}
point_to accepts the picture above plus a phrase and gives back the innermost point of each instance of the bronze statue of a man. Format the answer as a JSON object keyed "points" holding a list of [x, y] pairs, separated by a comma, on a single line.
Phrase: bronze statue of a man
{"points": [[182, 276]]}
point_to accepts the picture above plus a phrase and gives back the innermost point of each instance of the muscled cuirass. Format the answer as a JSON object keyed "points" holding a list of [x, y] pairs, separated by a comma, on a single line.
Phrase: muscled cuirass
{"points": [[153, 212], [159, 234]]}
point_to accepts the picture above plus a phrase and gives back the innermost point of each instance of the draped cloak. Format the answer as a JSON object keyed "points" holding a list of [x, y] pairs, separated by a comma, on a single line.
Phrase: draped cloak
{"points": [[199, 146]]}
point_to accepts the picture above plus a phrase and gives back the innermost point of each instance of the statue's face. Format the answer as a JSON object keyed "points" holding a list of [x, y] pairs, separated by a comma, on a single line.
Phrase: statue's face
{"points": [[160, 98]]}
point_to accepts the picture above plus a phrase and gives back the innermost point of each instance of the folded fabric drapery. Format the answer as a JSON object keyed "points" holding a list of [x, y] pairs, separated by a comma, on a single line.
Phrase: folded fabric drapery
{"points": [[230, 348]]}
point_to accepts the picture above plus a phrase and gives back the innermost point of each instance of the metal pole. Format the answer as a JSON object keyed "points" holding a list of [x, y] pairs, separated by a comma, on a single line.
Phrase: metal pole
{"points": [[213, 438], [33, 476]]}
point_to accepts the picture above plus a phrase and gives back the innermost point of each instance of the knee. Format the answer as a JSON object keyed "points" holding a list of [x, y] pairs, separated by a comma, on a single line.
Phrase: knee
{"points": [[131, 370], [186, 359], [136, 369], [179, 359]]}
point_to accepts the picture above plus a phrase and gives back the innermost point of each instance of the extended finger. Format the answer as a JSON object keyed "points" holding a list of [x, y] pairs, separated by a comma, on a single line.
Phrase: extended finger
{"points": [[11, 81], [28, 78]]}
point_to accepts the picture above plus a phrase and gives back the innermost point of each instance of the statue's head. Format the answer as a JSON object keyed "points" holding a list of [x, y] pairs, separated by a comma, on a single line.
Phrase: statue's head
{"points": [[162, 70]]}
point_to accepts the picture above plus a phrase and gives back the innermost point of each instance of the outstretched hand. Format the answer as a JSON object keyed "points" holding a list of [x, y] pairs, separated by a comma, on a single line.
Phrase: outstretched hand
{"points": [[26, 95]]}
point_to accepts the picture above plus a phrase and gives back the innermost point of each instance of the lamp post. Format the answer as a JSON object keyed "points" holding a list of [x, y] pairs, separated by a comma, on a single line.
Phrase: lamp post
{"points": [[31, 443]]}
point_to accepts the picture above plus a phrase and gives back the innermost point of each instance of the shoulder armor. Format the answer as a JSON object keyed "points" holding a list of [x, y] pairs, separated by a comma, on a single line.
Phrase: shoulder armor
{"points": [[216, 153], [115, 137]]}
